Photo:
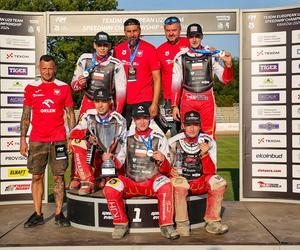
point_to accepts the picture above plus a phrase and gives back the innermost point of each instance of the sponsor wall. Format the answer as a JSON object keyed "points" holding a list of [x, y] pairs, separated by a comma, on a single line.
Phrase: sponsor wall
{"points": [[271, 127], [22, 42]]}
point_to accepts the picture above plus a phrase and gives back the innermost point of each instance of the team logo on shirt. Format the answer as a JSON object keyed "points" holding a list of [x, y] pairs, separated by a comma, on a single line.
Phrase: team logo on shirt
{"points": [[48, 103], [123, 52], [139, 53], [37, 93], [167, 53], [56, 92]]}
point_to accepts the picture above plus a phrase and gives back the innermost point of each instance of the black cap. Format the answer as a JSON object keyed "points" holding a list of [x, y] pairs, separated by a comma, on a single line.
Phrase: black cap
{"points": [[101, 95], [140, 110], [194, 29], [102, 38], [131, 21], [191, 117]]}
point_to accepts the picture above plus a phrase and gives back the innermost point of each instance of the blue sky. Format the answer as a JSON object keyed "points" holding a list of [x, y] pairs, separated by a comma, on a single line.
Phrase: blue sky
{"points": [[230, 42]]}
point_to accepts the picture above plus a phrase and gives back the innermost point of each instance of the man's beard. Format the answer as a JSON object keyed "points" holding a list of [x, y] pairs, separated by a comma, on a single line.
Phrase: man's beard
{"points": [[133, 41]]}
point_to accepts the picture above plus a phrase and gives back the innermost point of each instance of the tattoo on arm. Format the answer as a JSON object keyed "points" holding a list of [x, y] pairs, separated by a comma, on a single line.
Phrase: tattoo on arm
{"points": [[70, 117], [25, 120]]}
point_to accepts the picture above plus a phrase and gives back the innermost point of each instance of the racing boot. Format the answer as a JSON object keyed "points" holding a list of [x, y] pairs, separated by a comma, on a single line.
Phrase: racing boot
{"points": [[86, 188], [74, 184], [183, 228], [169, 232], [120, 231], [216, 227]]}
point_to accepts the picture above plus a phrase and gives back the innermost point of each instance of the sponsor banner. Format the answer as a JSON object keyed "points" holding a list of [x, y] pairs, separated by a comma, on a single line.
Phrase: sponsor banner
{"points": [[296, 171], [268, 53], [296, 111], [296, 141], [269, 170], [10, 129], [268, 68], [296, 156], [296, 186], [12, 158], [17, 71], [12, 100], [263, 97], [296, 126], [14, 85], [14, 173], [15, 187], [278, 111], [296, 81], [270, 127], [296, 66], [268, 38], [10, 143], [269, 185], [295, 36], [11, 115], [268, 155], [17, 42], [17, 56], [268, 141], [296, 51], [296, 96], [268, 82]]}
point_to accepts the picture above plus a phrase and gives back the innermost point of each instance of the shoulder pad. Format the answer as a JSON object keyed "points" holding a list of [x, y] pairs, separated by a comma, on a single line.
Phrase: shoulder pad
{"points": [[175, 138], [157, 134], [86, 56], [115, 60]]}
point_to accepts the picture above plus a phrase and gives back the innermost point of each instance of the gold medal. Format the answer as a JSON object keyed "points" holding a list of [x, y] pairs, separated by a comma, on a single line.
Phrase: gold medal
{"points": [[131, 70]]}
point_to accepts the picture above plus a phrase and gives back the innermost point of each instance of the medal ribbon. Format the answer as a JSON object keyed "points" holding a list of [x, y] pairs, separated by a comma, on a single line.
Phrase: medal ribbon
{"points": [[95, 63], [132, 55], [148, 143], [207, 52], [105, 120]]}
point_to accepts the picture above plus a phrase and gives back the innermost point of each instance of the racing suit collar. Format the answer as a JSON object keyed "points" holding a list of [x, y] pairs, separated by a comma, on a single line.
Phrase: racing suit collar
{"points": [[143, 133]]}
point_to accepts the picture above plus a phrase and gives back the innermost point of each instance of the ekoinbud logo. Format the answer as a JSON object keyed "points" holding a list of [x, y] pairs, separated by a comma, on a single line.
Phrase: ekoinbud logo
{"points": [[269, 185], [270, 127], [269, 170], [269, 155], [268, 97], [268, 141], [268, 68]]}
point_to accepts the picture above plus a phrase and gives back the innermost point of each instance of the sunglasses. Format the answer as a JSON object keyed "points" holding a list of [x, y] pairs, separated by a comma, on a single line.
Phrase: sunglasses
{"points": [[172, 19]]}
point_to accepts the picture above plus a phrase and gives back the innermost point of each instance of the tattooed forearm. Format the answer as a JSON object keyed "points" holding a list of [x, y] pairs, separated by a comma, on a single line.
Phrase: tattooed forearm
{"points": [[70, 117], [25, 120], [58, 191]]}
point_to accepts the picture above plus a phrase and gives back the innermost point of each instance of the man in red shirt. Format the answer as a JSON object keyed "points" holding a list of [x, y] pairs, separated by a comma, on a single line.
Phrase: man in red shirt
{"points": [[46, 99], [166, 53], [142, 69]]}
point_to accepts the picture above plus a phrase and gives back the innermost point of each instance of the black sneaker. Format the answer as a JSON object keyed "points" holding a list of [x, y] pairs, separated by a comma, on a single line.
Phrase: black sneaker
{"points": [[61, 220], [34, 220]]}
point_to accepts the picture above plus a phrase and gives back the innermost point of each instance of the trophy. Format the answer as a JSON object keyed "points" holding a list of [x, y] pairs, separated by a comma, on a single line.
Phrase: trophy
{"points": [[106, 134]]}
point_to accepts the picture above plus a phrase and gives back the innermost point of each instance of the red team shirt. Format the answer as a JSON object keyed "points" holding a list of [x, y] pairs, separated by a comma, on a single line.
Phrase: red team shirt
{"points": [[145, 62], [166, 53], [48, 101]]}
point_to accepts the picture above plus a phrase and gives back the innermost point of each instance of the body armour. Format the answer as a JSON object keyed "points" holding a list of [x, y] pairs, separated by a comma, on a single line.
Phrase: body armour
{"points": [[140, 167], [197, 73]]}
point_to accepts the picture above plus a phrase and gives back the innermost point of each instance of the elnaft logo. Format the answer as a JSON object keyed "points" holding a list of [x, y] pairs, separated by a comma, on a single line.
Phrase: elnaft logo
{"points": [[17, 71], [15, 99], [273, 67], [17, 172], [268, 97], [268, 126]]}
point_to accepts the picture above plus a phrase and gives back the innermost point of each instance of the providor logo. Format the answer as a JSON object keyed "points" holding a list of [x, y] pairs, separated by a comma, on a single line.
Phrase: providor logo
{"points": [[271, 155], [269, 185], [12, 158]]}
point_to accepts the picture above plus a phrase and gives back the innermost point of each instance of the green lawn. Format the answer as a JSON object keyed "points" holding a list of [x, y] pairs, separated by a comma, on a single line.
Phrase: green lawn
{"points": [[228, 166]]}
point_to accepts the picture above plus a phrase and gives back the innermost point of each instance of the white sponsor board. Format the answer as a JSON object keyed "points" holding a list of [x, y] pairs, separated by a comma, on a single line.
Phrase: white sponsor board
{"points": [[15, 173], [17, 56], [268, 38], [269, 185], [10, 143], [296, 51], [17, 42], [296, 36], [296, 156], [296, 81], [278, 111], [269, 126], [11, 115], [269, 170], [14, 85], [296, 171], [10, 129], [296, 111], [296, 66], [15, 187], [12, 100], [17, 70], [296, 141], [296, 96], [268, 82], [268, 53], [268, 155], [267, 97], [268, 141], [296, 186], [12, 158], [268, 67]]}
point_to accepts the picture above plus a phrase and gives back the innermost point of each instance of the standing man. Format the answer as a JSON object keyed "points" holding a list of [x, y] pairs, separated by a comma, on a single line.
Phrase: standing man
{"points": [[46, 100], [104, 71], [142, 69], [147, 156], [194, 156], [192, 81], [166, 53]]}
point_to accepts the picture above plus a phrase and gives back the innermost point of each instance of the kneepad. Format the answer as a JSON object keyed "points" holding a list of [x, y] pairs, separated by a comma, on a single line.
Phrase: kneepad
{"points": [[180, 182], [216, 181], [116, 184], [159, 182]]}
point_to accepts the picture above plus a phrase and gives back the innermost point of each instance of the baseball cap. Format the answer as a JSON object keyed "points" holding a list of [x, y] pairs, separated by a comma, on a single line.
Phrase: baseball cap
{"points": [[194, 29], [101, 38], [101, 94], [191, 117], [140, 110]]}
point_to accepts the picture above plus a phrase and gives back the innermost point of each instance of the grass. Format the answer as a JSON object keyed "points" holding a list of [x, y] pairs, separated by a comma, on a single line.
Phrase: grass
{"points": [[227, 163]]}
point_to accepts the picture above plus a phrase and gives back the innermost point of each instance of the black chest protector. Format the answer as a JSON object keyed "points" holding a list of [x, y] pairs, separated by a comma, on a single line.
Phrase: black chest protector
{"points": [[197, 73], [100, 77], [191, 161], [140, 167]]}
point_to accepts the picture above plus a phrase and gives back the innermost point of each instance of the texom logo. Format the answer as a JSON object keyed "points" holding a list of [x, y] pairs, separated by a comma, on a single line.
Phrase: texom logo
{"points": [[268, 97], [17, 70], [274, 67]]}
